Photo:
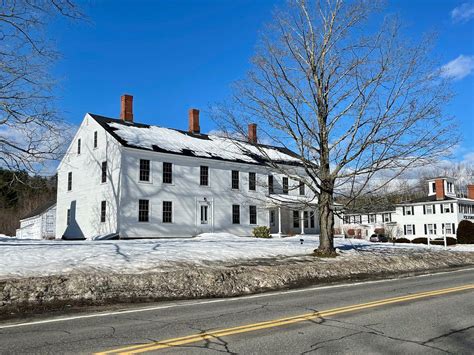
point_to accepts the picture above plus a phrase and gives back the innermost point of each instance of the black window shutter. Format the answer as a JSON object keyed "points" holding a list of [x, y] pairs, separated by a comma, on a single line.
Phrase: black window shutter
{"points": [[442, 208], [424, 209], [403, 210], [412, 210], [454, 228], [452, 208], [426, 229], [413, 227], [434, 209], [404, 229]]}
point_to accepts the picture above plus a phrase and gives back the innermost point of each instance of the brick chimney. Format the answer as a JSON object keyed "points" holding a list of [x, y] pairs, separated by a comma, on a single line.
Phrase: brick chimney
{"points": [[194, 121], [126, 108], [252, 133], [470, 191], [439, 185]]}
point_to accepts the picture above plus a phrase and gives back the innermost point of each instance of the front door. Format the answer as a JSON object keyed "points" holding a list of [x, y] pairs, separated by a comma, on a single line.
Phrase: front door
{"points": [[204, 217]]}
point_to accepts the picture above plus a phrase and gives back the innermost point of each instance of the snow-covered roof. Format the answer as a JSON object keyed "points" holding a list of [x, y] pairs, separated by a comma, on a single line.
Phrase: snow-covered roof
{"points": [[166, 140]]}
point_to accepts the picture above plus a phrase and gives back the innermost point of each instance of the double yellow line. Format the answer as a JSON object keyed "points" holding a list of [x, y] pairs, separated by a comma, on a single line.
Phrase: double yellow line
{"points": [[168, 343]]}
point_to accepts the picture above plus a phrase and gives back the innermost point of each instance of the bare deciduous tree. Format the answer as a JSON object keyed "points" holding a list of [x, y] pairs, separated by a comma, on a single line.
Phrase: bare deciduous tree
{"points": [[357, 101], [31, 133]]}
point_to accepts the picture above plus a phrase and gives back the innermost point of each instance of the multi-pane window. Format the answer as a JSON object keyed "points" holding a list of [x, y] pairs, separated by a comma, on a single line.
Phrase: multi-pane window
{"points": [[103, 209], [235, 179], [306, 219], [167, 212], [204, 214], [430, 228], [409, 229], [312, 219], [104, 171], [204, 176], [95, 139], [408, 210], [167, 173], [285, 185], [448, 228], [144, 170], [68, 220], [69, 181], [387, 217], [143, 210], [253, 214], [252, 181], [446, 208], [235, 214], [270, 184], [450, 187], [296, 219], [429, 209], [302, 188], [372, 218], [79, 146]]}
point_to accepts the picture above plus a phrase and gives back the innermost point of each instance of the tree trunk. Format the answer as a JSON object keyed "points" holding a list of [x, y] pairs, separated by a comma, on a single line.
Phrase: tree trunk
{"points": [[326, 221]]}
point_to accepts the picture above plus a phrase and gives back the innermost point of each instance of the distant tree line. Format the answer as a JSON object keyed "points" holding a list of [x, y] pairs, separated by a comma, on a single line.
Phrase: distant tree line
{"points": [[20, 194]]}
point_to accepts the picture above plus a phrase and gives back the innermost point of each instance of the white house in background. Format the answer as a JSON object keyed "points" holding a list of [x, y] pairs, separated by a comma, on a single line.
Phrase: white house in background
{"points": [[364, 224], [437, 214], [139, 181], [40, 223]]}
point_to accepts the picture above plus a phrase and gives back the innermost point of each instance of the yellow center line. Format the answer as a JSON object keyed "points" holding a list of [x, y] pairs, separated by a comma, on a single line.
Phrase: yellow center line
{"points": [[193, 338]]}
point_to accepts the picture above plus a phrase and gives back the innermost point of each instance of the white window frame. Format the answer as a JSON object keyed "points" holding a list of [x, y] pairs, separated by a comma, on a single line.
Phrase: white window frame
{"points": [[410, 231]]}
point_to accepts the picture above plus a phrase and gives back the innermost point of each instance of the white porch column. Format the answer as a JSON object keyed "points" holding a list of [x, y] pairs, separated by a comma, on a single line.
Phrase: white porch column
{"points": [[279, 221], [302, 221]]}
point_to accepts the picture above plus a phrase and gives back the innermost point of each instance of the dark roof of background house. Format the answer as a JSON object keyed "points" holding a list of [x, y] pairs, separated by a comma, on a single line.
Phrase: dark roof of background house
{"points": [[40, 209], [431, 198], [112, 126]]}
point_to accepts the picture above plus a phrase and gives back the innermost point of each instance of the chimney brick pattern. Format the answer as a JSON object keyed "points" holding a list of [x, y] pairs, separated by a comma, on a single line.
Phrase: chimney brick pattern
{"points": [[194, 121], [439, 184], [126, 108], [470, 191], [252, 133]]}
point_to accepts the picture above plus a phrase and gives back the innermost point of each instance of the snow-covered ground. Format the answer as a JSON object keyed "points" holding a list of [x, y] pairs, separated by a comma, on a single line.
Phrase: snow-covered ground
{"points": [[20, 257]]}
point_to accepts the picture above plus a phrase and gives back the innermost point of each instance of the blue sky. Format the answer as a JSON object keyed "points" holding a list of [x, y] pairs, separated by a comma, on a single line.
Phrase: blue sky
{"points": [[173, 55]]}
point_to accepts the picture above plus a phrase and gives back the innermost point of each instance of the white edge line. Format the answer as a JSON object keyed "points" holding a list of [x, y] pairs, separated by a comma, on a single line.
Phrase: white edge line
{"points": [[231, 299]]}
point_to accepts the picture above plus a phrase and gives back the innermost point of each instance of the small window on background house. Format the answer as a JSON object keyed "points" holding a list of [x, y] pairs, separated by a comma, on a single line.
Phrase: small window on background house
{"points": [[285, 185], [143, 210], [270, 184], [447, 228], [204, 176], [302, 188], [431, 229], [167, 173], [408, 229], [253, 214], [69, 181], [252, 181], [95, 139], [104, 172], [144, 174], [235, 214], [296, 219], [79, 146], [235, 179], [429, 209], [103, 208], [167, 212]]}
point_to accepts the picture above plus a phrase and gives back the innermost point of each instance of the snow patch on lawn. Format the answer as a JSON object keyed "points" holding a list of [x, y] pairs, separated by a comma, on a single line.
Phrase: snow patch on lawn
{"points": [[22, 257]]}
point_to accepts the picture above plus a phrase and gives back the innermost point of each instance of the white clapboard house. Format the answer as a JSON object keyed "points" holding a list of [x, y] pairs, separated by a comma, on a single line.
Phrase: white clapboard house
{"points": [[374, 220], [437, 214], [39, 223], [139, 181]]}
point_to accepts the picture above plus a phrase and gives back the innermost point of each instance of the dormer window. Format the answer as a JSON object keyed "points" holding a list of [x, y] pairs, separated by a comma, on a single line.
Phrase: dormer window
{"points": [[450, 187], [433, 186]]}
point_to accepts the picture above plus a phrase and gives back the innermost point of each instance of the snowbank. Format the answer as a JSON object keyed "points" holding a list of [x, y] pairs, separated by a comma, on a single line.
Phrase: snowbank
{"points": [[26, 258]]}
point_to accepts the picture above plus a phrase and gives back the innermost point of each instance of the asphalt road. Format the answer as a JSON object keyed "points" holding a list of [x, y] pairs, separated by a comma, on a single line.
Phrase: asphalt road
{"points": [[424, 314]]}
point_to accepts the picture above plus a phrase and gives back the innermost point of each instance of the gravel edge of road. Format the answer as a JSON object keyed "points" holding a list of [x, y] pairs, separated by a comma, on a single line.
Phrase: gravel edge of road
{"points": [[36, 295]]}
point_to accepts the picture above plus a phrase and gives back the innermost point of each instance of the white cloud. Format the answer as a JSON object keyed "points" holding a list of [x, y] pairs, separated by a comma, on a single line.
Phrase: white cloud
{"points": [[458, 68], [463, 13]]}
